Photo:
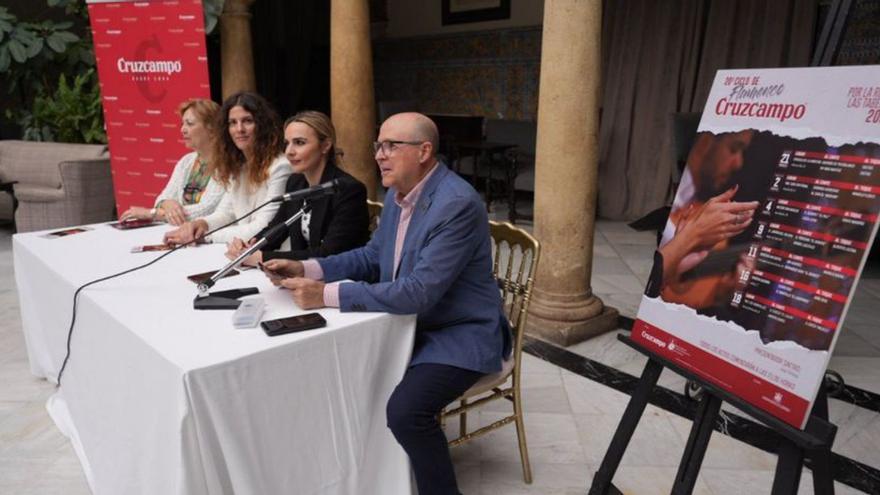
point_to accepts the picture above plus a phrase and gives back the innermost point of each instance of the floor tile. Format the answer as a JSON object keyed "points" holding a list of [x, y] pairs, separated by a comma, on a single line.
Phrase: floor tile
{"points": [[505, 478], [654, 481], [27, 432], [654, 443], [726, 452], [550, 439]]}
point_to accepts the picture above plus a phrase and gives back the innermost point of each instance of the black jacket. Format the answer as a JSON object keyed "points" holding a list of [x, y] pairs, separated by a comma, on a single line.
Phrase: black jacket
{"points": [[339, 222]]}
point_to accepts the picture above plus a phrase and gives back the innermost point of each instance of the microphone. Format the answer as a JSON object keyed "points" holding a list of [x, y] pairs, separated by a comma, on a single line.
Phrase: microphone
{"points": [[201, 303], [327, 188]]}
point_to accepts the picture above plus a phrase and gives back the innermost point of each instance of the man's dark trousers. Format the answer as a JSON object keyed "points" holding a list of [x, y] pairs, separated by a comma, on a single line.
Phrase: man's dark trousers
{"points": [[412, 417]]}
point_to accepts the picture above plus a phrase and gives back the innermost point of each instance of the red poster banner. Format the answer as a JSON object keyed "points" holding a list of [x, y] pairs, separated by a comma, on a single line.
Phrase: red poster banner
{"points": [[150, 57], [775, 214]]}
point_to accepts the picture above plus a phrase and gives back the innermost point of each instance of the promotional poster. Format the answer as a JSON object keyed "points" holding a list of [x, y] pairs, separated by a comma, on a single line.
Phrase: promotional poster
{"points": [[769, 230], [150, 57]]}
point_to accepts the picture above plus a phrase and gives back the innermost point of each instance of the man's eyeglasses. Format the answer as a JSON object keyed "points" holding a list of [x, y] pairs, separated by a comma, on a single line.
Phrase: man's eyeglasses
{"points": [[388, 146]]}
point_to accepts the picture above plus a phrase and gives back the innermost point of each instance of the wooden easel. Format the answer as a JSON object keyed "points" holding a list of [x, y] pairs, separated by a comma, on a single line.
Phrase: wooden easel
{"points": [[814, 442]]}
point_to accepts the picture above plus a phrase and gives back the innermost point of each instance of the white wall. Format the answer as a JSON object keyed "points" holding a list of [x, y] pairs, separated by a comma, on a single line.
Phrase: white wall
{"points": [[423, 17]]}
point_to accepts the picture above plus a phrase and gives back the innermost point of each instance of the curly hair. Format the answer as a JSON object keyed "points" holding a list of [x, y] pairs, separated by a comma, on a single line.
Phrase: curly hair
{"points": [[268, 141], [323, 127]]}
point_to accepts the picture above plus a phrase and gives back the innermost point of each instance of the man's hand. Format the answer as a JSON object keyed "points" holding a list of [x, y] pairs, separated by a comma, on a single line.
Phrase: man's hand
{"points": [[235, 247], [285, 268], [307, 294]]}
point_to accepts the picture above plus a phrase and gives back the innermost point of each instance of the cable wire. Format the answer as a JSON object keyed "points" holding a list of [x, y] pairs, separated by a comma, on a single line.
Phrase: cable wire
{"points": [[124, 272]]}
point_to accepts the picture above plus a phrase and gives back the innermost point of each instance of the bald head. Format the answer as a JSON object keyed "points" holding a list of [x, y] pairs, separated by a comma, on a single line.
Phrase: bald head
{"points": [[418, 127], [406, 150]]}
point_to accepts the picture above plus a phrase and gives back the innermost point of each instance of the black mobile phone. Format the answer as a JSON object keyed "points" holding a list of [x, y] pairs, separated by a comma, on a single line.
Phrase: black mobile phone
{"points": [[270, 273], [201, 277], [291, 324]]}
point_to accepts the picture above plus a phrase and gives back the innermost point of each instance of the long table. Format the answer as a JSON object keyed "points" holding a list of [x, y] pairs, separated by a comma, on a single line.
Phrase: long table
{"points": [[160, 398]]}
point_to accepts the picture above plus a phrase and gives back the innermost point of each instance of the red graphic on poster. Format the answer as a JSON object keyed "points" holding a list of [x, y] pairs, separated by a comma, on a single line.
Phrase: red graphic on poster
{"points": [[150, 57], [770, 227]]}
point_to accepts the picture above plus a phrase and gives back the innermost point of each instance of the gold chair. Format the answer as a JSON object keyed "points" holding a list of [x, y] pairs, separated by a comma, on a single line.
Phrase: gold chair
{"points": [[516, 254], [375, 209]]}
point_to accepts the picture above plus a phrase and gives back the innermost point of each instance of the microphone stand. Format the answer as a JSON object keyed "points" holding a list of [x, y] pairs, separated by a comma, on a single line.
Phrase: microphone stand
{"points": [[228, 299]]}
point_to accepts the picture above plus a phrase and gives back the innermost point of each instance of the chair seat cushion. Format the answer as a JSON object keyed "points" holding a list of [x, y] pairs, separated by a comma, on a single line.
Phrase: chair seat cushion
{"points": [[488, 382]]}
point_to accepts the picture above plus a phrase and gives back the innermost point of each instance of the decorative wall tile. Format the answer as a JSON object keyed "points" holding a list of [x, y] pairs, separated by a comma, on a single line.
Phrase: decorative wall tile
{"points": [[490, 73]]}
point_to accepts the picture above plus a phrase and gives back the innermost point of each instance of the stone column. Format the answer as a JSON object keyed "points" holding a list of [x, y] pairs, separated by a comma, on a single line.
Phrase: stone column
{"points": [[352, 104], [236, 51], [563, 308]]}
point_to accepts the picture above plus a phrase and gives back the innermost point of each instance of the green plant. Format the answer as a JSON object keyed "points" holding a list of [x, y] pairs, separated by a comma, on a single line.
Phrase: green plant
{"points": [[35, 56], [32, 56], [71, 114], [30, 50], [212, 10]]}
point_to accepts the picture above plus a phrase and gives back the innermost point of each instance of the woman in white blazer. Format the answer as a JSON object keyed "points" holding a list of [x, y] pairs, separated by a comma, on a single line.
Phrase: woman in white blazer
{"points": [[191, 192], [248, 161]]}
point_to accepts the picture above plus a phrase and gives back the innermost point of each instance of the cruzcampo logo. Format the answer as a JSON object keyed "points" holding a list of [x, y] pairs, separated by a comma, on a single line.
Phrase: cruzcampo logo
{"points": [[146, 70]]}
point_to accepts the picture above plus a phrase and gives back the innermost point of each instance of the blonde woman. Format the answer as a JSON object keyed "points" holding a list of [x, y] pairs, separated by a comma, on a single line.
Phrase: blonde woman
{"points": [[335, 223], [191, 192]]}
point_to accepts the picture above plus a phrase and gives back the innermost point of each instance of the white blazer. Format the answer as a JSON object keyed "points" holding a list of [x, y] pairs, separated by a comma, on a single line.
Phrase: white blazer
{"points": [[238, 200]]}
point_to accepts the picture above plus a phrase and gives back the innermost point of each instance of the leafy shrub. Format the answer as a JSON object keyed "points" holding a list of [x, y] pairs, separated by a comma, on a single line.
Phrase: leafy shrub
{"points": [[71, 114]]}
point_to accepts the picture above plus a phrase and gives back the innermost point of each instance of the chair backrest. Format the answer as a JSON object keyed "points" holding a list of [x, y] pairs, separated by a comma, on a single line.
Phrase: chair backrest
{"points": [[375, 210], [36, 163], [515, 259]]}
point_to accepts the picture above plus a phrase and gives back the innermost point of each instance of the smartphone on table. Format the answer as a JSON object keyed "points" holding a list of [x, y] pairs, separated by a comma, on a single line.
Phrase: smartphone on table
{"points": [[299, 323], [270, 273]]}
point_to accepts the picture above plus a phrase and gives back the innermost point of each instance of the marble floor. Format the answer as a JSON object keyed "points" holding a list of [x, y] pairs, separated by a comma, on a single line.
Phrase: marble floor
{"points": [[569, 419]]}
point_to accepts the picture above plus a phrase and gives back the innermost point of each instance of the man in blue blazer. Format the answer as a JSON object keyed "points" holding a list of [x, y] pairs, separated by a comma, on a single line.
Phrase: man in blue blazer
{"points": [[431, 256]]}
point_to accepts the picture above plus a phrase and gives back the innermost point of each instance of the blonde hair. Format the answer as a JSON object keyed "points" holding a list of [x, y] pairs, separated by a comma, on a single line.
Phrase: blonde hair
{"points": [[323, 127], [205, 110]]}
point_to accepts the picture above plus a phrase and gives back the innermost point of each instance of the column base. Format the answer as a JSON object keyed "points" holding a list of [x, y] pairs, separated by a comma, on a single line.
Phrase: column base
{"points": [[571, 320]]}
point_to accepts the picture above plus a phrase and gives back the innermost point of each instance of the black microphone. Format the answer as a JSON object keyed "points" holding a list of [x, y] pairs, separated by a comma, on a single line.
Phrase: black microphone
{"points": [[329, 187], [277, 229]]}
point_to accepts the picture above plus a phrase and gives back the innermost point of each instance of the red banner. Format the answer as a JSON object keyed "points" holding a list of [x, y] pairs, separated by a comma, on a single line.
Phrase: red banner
{"points": [[756, 308], [150, 57], [728, 373]]}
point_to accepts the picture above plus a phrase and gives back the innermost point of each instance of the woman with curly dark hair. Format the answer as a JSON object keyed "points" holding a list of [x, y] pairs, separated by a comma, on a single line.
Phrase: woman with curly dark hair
{"points": [[249, 163]]}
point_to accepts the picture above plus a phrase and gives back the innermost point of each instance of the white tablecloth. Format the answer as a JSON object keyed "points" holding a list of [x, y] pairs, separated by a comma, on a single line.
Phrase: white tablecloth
{"points": [[161, 399]]}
